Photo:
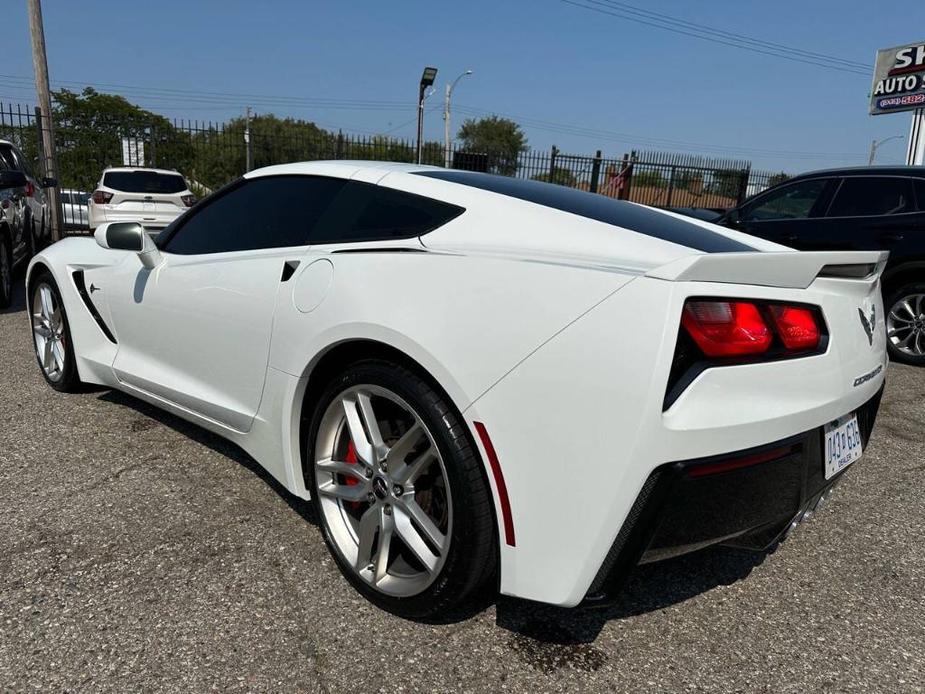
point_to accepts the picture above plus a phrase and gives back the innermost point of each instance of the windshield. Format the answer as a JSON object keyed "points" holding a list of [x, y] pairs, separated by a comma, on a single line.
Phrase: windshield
{"points": [[144, 182]]}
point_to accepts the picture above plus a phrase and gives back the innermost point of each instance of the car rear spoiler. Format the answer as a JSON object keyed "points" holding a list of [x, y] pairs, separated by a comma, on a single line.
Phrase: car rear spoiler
{"points": [[771, 269]]}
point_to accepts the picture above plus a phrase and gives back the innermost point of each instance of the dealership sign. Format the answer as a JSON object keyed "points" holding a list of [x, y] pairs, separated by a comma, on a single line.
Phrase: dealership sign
{"points": [[899, 79]]}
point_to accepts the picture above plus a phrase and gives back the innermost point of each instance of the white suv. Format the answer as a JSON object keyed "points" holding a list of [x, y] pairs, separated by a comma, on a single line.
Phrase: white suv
{"points": [[152, 197]]}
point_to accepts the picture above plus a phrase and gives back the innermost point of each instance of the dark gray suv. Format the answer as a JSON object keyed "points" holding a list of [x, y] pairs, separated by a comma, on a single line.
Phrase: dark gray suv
{"points": [[24, 214]]}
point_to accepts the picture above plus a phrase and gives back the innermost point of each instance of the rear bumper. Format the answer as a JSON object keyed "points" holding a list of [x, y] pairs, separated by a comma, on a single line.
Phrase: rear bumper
{"points": [[150, 220], [746, 499]]}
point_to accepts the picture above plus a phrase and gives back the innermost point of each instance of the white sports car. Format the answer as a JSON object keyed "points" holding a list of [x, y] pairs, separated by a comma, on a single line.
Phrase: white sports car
{"points": [[479, 378]]}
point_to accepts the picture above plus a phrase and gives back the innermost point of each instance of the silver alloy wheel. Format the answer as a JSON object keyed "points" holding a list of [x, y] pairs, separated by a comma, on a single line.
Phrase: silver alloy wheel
{"points": [[48, 332], [383, 490], [6, 272], [905, 325]]}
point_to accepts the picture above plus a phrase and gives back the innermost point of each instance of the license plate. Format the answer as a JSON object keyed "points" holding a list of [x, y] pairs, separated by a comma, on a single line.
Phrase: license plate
{"points": [[842, 444]]}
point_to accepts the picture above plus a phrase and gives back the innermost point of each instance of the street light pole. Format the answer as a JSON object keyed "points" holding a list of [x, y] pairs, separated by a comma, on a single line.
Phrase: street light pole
{"points": [[427, 79], [446, 118], [875, 145]]}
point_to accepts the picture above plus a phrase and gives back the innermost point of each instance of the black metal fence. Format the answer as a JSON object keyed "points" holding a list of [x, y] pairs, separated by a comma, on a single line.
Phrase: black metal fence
{"points": [[213, 154]]}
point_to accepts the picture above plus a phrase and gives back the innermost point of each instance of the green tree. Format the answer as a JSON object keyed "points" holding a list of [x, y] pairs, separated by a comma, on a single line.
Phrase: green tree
{"points": [[774, 179], [90, 127], [221, 152], [726, 182], [560, 175], [500, 138], [651, 178]]}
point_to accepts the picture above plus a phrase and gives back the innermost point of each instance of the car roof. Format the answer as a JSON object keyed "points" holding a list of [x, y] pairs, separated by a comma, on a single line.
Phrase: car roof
{"points": [[341, 168], [117, 169], [915, 171]]}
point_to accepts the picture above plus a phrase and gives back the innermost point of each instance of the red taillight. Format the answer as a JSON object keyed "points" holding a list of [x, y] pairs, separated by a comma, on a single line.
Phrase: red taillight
{"points": [[101, 197], [188, 200], [797, 327], [726, 328], [30, 189]]}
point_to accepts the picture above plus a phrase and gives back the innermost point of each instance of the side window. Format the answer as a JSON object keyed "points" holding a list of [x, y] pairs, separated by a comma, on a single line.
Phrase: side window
{"points": [[6, 155], [23, 163], [793, 201], [271, 212], [919, 184], [863, 196], [366, 212]]}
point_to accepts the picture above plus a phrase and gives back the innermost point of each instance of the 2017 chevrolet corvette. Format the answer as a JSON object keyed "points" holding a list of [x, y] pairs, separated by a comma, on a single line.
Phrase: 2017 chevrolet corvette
{"points": [[478, 378]]}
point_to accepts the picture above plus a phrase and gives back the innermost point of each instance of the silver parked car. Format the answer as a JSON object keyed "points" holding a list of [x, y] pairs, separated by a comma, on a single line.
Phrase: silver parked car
{"points": [[76, 211]]}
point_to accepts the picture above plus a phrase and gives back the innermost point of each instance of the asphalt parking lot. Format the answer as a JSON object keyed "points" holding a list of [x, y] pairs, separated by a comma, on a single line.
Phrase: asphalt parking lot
{"points": [[138, 552]]}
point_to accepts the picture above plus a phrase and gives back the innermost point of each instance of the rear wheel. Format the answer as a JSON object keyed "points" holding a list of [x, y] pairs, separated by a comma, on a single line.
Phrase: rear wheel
{"points": [[399, 490], [51, 334], [905, 324]]}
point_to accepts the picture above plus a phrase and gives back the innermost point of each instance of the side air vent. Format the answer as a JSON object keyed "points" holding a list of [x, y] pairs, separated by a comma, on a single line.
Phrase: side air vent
{"points": [[854, 272], [82, 290]]}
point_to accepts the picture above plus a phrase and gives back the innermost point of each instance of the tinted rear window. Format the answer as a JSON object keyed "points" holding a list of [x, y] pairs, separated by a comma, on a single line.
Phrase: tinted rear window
{"points": [[364, 212], [864, 196], [144, 182], [600, 208], [919, 184]]}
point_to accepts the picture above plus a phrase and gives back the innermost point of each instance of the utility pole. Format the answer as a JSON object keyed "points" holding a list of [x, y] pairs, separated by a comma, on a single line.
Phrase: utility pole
{"points": [[446, 118], [247, 138], [43, 91]]}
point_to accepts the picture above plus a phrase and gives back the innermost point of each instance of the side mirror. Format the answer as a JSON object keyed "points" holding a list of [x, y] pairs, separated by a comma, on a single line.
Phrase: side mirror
{"points": [[13, 179], [49, 182], [129, 236], [733, 217]]}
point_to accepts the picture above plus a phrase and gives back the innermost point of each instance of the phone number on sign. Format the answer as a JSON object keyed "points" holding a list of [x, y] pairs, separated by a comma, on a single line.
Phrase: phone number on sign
{"points": [[894, 101]]}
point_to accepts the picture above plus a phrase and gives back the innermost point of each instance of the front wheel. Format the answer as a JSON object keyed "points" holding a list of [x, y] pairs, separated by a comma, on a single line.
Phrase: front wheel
{"points": [[51, 335], [905, 324], [400, 492]]}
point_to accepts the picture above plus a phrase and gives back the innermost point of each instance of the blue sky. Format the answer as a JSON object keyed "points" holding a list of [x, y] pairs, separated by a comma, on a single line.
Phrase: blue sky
{"points": [[355, 65]]}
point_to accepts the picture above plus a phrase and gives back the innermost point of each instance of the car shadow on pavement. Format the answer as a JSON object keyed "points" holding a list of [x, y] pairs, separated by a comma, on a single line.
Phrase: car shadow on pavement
{"points": [[18, 302], [544, 631], [546, 636], [216, 443]]}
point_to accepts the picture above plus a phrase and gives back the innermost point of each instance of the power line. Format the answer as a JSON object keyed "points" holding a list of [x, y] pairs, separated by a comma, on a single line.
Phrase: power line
{"points": [[609, 135], [228, 100], [607, 9], [224, 98], [729, 34]]}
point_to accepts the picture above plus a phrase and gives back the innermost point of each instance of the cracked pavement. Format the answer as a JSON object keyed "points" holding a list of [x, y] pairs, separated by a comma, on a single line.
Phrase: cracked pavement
{"points": [[138, 552]]}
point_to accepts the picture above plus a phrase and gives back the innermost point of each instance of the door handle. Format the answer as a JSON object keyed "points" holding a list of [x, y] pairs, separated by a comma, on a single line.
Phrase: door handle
{"points": [[891, 236]]}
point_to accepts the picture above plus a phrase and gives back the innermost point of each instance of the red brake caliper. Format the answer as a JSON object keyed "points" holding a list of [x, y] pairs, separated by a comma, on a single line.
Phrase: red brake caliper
{"points": [[351, 458]]}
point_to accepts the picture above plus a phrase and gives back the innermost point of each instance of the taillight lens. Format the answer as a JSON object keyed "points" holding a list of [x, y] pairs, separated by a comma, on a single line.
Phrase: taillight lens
{"points": [[797, 327], [726, 328], [101, 197], [30, 189], [188, 200]]}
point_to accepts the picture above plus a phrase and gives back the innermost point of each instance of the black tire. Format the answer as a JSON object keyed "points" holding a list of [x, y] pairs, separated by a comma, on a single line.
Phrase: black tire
{"points": [[6, 270], [891, 301], [69, 380], [470, 562]]}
